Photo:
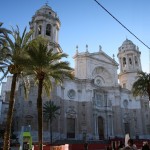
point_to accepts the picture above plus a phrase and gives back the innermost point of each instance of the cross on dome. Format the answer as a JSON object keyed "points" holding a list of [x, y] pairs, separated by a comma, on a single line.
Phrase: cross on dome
{"points": [[46, 3]]}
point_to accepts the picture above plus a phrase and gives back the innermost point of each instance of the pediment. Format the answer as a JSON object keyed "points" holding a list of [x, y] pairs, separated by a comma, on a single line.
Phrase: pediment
{"points": [[71, 110], [103, 57]]}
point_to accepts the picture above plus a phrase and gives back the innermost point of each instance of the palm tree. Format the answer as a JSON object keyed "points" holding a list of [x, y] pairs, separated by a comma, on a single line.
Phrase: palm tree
{"points": [[14, 48], [50, 111], [45, 66], [142, 85]]}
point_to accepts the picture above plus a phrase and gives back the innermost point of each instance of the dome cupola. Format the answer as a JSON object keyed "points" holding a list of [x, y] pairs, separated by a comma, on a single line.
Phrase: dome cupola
{"points": [[127, 45], [46, 23]]}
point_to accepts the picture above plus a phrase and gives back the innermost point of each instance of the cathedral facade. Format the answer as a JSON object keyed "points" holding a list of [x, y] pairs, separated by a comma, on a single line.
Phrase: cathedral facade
{"points": [[98, 103]]}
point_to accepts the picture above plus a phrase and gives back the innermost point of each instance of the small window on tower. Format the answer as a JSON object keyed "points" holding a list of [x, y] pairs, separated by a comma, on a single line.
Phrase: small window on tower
{"points": [[48, 30], [124, 61], [136, 62], [130, 61], [39, 29]]}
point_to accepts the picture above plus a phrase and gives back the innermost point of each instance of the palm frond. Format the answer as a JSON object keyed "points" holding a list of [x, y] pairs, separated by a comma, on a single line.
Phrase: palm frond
{"points": [[50, 110], [4, 75], [142, 85], [47, 85]]}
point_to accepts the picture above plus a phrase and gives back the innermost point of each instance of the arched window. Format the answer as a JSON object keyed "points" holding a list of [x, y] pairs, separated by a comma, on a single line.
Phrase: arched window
{"points": [[124, 61], [130, 61], [39, 29], [124, 85], [48, 30], [136, 61]]}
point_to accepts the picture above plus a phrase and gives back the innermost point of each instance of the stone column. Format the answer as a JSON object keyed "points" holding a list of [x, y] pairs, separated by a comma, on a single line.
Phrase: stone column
{"points": [[43, 29]]}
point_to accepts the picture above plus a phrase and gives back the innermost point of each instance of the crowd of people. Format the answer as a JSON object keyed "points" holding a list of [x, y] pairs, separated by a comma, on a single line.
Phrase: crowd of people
{"points": [[131, 146], [128, 144]]}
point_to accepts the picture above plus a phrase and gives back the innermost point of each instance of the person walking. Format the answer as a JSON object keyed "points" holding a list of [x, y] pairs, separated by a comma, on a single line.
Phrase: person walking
{"points": [[121, 145], [145, 146], [130, 146], [86, 146]]}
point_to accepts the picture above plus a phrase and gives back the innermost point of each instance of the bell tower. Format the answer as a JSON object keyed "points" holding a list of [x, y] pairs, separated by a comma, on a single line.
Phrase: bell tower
{"points": [[46, 23], [129, 62]]}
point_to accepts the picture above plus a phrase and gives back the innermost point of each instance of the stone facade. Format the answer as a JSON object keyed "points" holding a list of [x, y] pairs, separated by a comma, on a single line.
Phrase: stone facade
{"points": [[93, 105]]}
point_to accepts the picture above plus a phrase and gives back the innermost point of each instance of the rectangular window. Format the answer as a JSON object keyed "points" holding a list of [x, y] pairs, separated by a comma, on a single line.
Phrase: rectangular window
{"points": [[105, 100], [99, 99], [39, 29]]}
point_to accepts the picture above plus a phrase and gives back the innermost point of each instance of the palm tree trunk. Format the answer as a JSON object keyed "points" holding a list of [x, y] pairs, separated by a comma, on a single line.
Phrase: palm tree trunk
{"points": [[149, 96], [40, 115], [10, 114], [51, 137], [148, 91]]}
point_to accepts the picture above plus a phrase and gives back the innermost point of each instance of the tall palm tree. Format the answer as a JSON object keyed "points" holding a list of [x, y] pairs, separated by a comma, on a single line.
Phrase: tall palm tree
{"points": [[45, 66], [50, 111], [142, 85], [15, 47]]}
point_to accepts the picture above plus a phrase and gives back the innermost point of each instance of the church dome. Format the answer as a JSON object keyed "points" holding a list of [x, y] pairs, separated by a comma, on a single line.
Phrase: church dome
{"points": [[127, 45], [45, 7], [46, 10], [45, 13], [127, 42]]}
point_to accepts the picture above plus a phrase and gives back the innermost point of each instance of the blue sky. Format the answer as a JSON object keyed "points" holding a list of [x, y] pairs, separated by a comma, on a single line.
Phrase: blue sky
{"points": [[84, 22]]}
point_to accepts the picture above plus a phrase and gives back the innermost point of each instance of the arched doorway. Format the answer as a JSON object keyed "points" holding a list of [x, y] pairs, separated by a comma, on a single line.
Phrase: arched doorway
{"points": [[101, 127]]}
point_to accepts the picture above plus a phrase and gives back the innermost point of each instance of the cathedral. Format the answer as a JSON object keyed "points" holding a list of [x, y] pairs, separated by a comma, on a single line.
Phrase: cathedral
{"points": [[98, 104]]}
